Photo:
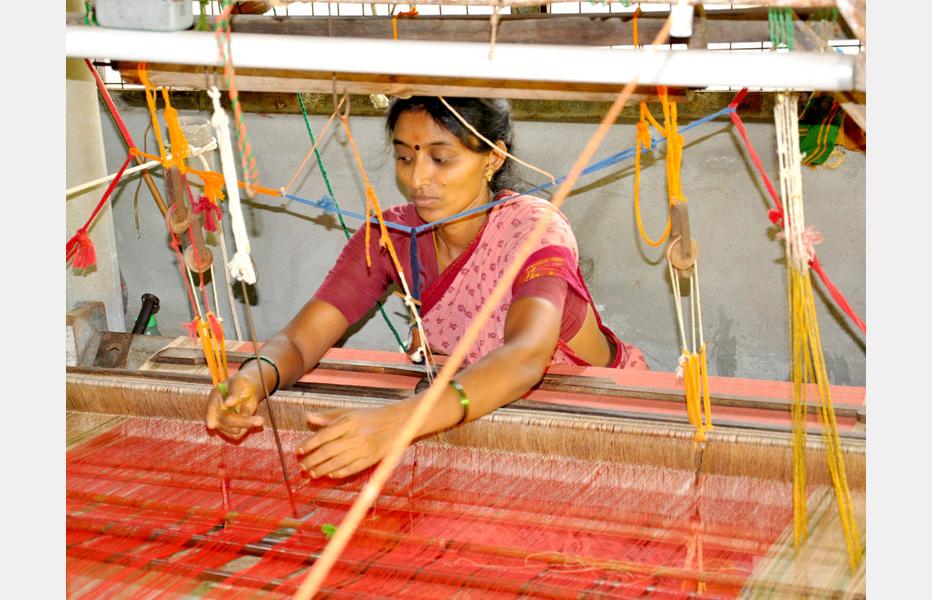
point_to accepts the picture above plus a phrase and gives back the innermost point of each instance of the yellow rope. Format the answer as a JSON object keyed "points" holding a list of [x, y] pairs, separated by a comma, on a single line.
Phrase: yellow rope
{"points": [[694, 361], [644, 141], [808, 364]]}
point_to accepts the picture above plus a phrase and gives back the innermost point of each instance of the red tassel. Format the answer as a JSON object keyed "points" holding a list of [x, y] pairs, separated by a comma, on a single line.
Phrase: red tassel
{"points": [[212, 212], [215, 326], [191, 327], [79, 251], [776, 216]]}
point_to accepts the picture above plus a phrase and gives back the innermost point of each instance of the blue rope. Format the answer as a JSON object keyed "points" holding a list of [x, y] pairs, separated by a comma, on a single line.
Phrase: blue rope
{"points": [[328, 205], [415, 268]]}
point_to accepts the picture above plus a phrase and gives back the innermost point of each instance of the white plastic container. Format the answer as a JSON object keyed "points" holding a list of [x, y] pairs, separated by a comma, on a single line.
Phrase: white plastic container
{"points": [[146, 15]]}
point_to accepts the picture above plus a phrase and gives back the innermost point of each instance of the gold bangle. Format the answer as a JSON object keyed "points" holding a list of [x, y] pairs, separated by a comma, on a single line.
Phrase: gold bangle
{"points": [[464, 399]]}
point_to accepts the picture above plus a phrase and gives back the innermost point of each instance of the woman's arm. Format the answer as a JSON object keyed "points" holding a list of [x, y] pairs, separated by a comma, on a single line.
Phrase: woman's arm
{"points": [[295, 350], [351, 440]]}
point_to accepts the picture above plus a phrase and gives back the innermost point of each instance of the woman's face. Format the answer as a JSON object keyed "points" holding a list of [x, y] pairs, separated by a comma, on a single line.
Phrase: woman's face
{"points": [[434, 170]]}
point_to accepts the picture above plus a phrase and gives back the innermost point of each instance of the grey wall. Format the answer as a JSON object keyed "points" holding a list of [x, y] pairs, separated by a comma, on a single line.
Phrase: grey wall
{"points": [[743, 280], [84, 147]]}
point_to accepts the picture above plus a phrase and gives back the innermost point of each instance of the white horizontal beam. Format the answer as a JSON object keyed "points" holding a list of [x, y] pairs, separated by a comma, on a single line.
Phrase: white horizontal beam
{"points": [[527, 62]]}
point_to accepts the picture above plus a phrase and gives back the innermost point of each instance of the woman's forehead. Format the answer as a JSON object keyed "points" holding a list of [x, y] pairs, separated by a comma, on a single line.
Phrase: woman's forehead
{"points": [[419, 128]]}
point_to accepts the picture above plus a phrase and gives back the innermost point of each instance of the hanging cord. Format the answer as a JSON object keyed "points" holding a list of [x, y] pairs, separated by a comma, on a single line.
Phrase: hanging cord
{"points": [[314, 143], [79, 250], [692, 365], [222, 33], [151, 101], [346, 233], [226, 268], [644, 142], [780, 22], [693, 362], [90, 13], [241, 267], [776, 214], [373, 208], [492, 145], [408, 14], [808, 360]]}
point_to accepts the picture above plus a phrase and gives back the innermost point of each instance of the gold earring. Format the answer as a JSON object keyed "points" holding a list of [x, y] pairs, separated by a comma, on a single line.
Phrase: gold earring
{"points": [[489, 174]]}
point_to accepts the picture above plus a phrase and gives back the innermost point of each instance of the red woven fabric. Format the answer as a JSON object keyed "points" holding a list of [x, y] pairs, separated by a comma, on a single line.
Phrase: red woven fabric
{"points": [[145, 512]]}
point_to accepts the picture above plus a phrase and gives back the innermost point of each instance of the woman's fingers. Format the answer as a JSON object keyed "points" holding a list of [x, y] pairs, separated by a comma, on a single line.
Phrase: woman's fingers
{"points": [[230, 421], [330, 456], [233, 413], [325, 417], [352, 468], [241, 395], [323, 436], [214, 409]]}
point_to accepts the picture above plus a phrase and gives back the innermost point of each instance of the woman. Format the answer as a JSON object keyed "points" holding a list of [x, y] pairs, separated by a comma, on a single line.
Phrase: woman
{"points": [[548, 316]]}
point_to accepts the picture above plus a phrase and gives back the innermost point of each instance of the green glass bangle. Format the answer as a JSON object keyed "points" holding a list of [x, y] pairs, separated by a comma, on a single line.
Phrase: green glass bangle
{"points": [[464, 399], [278, 377]]}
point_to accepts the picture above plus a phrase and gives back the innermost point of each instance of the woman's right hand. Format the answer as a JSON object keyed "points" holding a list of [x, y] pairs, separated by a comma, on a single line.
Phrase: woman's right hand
{"points": [[234, 414]]}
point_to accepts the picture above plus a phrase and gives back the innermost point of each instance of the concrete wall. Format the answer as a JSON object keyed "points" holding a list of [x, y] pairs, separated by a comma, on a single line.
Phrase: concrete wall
{"points": [[742, 276]]}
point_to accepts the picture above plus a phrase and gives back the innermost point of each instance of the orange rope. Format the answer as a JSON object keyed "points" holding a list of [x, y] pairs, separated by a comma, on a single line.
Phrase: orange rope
{"points": [[213, 181], [644, 141], [674, 148], [372, 206], [210, 332], [179, 143], [410, 13], [151, 102]]}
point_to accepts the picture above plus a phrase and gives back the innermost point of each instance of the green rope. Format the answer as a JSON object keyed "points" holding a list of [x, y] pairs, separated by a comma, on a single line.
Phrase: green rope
{"points": [[90, 15], [780, 21], [202, 24], [323, 171]]}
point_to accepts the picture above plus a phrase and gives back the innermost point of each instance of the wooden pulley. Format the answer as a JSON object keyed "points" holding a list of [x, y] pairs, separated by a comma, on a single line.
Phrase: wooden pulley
{"points": [[201, 262], [183, 220], [180, 217], [683, 249]]}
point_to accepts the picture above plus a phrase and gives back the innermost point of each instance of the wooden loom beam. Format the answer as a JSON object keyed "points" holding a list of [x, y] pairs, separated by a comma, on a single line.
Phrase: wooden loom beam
{"points": [[600, 29], [662, 439], [551, 382], [504, 3], [288, 81]]}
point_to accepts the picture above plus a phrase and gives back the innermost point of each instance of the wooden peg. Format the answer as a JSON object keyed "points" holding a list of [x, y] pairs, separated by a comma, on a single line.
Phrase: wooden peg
{"points": [[683, 249]]}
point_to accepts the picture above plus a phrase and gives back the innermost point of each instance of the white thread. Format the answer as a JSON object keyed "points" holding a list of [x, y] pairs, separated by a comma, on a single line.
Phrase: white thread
{"points": [[226, 269], [241, 267]]}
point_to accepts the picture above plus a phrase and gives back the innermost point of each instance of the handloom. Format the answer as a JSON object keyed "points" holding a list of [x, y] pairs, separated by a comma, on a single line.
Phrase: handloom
{"points": [[592, 485]]}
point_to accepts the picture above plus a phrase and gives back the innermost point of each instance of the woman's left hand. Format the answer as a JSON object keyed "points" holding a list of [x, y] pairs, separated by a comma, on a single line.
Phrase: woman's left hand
{"points": [[348, 441]]}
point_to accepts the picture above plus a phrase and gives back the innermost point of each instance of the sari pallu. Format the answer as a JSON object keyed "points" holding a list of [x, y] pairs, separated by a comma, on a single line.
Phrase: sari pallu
{"points": [[451, 302]]}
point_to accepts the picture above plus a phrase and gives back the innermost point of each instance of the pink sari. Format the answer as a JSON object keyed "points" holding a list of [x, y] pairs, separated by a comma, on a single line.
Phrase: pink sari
{"points": [[455, 298]]}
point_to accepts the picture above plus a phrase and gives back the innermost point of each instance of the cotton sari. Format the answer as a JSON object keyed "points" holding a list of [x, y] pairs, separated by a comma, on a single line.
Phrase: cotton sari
{"points": [[451, 302]]}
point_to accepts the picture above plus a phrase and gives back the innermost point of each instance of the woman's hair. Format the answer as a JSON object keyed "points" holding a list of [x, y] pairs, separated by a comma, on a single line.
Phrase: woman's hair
{"points": [[490, 116]]}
